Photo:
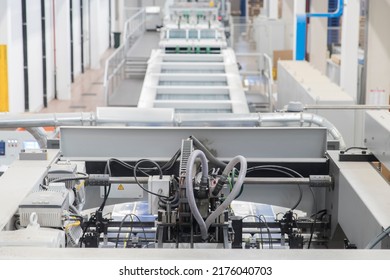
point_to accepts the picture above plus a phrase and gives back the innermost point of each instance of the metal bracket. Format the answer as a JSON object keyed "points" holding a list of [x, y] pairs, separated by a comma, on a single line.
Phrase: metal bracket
{"points": [[363, 156]]}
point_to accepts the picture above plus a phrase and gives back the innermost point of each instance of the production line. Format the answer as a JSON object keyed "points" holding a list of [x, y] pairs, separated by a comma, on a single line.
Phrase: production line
{"points": [[192, 168]]}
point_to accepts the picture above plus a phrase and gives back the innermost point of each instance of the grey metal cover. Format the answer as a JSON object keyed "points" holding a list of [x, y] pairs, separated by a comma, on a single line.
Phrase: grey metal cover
{"points": [[163, 142], [377, 135]]}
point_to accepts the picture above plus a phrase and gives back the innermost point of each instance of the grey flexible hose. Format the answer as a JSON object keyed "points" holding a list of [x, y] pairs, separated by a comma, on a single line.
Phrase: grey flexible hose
{"points": [[40, 135], [190, 190], [235, 191], [378, 239]]}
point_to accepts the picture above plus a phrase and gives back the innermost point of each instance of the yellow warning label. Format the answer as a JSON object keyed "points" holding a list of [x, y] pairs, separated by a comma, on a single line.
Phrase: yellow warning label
{"points": [[3, 79], [121, 187]]}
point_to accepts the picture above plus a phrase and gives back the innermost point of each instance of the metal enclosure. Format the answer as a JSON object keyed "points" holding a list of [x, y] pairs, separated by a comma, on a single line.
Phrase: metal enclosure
{"points": [[377, 135], [158, 142], [299, 81]]}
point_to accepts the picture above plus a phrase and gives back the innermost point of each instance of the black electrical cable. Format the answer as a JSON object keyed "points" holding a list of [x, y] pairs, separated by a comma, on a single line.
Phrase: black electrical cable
{"points": [[275, 169], [355, 148], [136, 179], [124, 164], [121, 225], [76, 217], [90, 220], [101, 207], [143, 228], [254, 168], [168, 165], [106, 194], [120, 228], [172, 161], [268, 229], [242, 186], [314, 201], [315, 215], [174, 200], [66, 179], [296, 205], [261, 229], [323, 212], [312, 231], [266, 225], [315, 219], [136, 168], [107, 169]]}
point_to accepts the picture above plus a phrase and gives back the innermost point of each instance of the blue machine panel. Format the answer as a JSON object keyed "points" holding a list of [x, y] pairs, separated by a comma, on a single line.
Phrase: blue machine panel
{"points": [[2, 148]]}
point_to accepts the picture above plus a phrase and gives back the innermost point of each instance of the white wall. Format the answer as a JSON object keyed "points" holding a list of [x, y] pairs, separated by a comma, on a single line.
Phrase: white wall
{"points": [[103, 26], [318, 36], [3, 23], [15, 57], [13, 37], [99, 31], [378, 60], [62, 23], [131, 3], [76, 38], [288, 18], [34, 54], [57, 48], [49, 50], [94, 31], [87, 36]]}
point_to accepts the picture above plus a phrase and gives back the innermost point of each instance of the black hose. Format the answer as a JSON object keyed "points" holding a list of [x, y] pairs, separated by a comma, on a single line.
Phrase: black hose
{"points": [[208, 154]]}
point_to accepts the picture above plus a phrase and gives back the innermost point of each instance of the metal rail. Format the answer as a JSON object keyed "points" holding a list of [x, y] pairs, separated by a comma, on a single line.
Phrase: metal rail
{"points": [[266, 72], [346, 107], [115, 64], [248, 181], [182, 120]]}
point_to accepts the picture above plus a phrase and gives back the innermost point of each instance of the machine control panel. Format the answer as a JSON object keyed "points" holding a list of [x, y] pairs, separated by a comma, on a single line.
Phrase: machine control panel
{"points": [[11, 143]]}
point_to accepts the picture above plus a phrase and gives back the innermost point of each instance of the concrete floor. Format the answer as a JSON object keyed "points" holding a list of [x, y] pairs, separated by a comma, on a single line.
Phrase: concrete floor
{"points": [[87, 92]]}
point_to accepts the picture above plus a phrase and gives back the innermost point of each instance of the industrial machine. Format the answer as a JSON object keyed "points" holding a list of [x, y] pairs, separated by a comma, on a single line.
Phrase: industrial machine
{"points": [[189, 203], [190, 187]]}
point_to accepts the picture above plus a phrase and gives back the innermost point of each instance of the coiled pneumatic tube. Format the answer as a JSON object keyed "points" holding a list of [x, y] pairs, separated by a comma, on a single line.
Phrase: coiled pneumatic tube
{"points": [[190, 190]]}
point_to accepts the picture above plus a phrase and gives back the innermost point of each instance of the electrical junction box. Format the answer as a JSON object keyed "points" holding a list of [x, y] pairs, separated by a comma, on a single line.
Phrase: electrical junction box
{"points": [[48, 205], [63, 170], [35, 154], [158, 186]]}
